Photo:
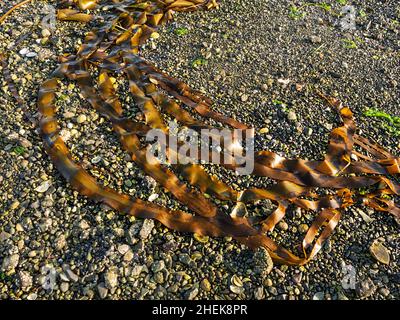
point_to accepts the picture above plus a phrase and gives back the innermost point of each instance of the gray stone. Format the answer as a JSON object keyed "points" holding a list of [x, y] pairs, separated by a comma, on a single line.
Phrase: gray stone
{"points": [[191, 294], [292, 116], [136, 271], [102, 290], [319, 296], [60, 242], [64, 286], [147, 227], [4, 236], [111, 279], [157, 266], [205, 285], [25, 279], [259, 293], [123, 248], [70, 274], [315, 39], [10, 262], [365, 288]]}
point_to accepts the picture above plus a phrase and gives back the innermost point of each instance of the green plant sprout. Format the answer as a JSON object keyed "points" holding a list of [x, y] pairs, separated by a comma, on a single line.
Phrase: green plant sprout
{"points": [[350, 44], [392, 123], [297, 12], [181, 31], [19, 150], [196, 63]]}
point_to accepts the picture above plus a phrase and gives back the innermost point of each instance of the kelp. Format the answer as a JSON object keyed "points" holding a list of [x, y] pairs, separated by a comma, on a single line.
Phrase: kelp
{"points": [[113, 48]]}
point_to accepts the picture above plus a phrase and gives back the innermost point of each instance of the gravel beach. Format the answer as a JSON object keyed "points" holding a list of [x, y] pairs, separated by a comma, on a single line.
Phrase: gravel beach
{"points": [[259, 61]]}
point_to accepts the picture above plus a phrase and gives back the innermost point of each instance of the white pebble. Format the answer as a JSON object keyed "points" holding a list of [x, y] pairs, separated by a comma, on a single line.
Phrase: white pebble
{"points": [[23, 51], [31, 54], [153, 197], [46, 33], [96, 159]]}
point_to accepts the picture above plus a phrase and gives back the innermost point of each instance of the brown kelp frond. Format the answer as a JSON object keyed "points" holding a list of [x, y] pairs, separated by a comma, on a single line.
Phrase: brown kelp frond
{"points": [[113, 47]]}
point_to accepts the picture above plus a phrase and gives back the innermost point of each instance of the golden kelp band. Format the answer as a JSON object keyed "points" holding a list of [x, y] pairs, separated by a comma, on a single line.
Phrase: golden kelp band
{"points": [[113, 48]]}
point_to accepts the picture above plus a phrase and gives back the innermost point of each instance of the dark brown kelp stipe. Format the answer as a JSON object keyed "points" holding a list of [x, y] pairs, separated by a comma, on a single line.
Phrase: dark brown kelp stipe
{"points": [[113, 48]]}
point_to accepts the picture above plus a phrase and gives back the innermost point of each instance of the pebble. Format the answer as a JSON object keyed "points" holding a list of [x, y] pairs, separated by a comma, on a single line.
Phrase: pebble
{"points": [[102, 290], [83, 224], [205, 285], [365, 288], [292, 116], [96, 159], [4, 236], [64, 286], [153, 197], [342, 296], [155, 35], [81, 119], [191, 294], [283, 225], [384, 291], [31, 54], [297, 278], [262, 262], [315, 39], [264, 87], [157, 266], [46, 33], [60, 242], [236, 289], [273, 291], [239, 210], [25, 279], [147, 227], [111, 279], [32, 296], [43, 187], [235, 280], [68, 115], [244, 97], [259, 293], [136, 271], [200, 238], [10, 262], [303, 228], [14, 205], [71, 275], [319, 296], [123, 248], [268, 282], [23, 51]]}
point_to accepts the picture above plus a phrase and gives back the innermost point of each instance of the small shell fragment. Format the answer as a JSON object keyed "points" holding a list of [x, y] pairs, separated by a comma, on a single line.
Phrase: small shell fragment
{"points": [[43, 187], [380, 252]]}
